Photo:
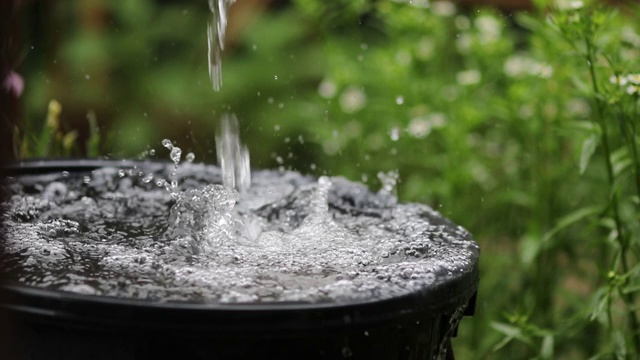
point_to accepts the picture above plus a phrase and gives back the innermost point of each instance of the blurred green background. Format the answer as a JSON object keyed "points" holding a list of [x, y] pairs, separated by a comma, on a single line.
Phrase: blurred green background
{"points": [[484, 112]]}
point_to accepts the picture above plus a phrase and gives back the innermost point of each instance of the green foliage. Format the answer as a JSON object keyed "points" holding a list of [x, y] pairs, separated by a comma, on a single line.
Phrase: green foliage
{"points": [[522, 128]]}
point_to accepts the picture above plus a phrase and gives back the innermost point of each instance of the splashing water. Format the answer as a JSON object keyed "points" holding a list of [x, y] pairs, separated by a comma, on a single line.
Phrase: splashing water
{"points": [[389, 181], [215, 35], [291, 238], [233, 157], [175, 155]]}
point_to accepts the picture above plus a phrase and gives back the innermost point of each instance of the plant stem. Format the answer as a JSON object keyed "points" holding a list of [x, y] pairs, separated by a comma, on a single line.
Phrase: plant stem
{"points": [[630, 136], [629, 298]]}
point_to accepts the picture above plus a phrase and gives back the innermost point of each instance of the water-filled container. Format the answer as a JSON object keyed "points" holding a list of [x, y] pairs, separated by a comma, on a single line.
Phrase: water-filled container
{"points": [[37, 323]]}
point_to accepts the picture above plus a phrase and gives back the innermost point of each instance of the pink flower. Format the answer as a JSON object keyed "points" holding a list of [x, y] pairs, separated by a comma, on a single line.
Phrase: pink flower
{"points": [[13, 83]]}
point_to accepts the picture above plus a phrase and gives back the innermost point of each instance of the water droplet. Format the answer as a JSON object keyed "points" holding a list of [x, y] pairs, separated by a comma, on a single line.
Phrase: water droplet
{"points": [[148, 178], [175, 155], [190, 157], [86, 179], [152, 152], [167, 143]]}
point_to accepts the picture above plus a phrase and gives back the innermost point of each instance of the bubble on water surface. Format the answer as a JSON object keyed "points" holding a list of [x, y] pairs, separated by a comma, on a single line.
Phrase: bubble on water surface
{"points": [[287, 238], [147, 178]]}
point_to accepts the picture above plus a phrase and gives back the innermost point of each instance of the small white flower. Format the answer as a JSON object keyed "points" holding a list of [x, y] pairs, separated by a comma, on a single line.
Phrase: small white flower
{"points": [[437, 120], [327, 89], [419, 127], [394, 134], [443, 8], [516, 65], [464, 43], [544, 71], [419, 3], [468, 77], [634, 79], [352, 99], [462, 22], [576, 4], [569, 4], [425, 49], [618, 80], [633, 89], [489, 28]]}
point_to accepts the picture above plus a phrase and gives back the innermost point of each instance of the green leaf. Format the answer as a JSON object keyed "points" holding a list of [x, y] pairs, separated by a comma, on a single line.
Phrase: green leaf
{"points": [[510, 332], [620, 345], [599, 303], [631, 289], [621, 161], [581, 86], [546, 350], [588, 149], [583, 126], [571, 219], [530, 248]]}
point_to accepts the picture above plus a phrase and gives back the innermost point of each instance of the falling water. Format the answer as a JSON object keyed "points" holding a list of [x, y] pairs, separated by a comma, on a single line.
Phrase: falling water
{"points": [[233, 157], [215, 35]]}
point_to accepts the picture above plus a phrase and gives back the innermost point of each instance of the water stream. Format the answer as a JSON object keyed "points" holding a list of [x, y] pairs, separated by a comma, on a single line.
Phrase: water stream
{"points": [[216, 30], [233, 156]]}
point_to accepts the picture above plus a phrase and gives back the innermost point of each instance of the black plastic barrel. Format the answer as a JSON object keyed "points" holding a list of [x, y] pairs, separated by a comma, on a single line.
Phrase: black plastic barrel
{"points": [[44, 324]]}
